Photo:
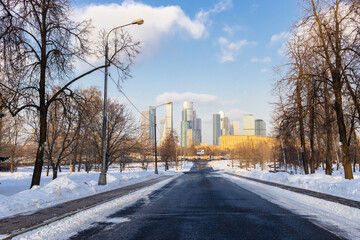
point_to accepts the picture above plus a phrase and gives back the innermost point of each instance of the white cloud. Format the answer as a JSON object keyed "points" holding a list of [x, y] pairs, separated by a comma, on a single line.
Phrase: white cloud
{"points": [[264, 60], [186, 96], [229, 50], [203, 16], [159, 22], [279, 37], [232, 29], [264, 70]]}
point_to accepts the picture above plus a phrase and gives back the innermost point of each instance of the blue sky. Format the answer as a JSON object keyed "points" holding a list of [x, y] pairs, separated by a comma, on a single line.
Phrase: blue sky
{"points": [[219, 54]]}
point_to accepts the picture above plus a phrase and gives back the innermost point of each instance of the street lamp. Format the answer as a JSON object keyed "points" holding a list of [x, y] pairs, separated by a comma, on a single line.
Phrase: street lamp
{"points": [[102, 178], [155, 147]]}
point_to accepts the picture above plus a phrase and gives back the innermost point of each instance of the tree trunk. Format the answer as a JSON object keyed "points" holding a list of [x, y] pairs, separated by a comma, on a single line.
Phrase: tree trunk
{"points": [[341, 125], [42, 105], [311, 125], [301, 126], [329, 134], [41, 147]]}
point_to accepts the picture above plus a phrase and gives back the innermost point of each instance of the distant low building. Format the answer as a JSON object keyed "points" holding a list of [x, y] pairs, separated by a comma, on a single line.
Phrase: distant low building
{"points": [[230, 142]]}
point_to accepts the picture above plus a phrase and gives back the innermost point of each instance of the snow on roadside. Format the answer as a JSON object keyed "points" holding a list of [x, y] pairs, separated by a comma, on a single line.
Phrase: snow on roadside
{"points": [[69, 226], [67, 187], [336, 218], [334, 185]]}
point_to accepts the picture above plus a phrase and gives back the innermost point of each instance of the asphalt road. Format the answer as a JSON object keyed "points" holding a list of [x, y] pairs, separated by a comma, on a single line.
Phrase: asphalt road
{"points": [[203, 205]]}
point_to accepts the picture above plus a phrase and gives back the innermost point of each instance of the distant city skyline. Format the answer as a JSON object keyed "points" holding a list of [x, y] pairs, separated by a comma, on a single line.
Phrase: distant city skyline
{"points": [[186, 55], [191, 125]]}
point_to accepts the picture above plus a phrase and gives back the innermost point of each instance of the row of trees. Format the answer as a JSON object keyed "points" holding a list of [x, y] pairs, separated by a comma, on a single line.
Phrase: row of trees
{"points": [[74, 133], [39, 44], [318, 88]]}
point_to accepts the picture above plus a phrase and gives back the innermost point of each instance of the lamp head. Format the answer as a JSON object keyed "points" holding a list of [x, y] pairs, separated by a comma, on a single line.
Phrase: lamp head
{"points": [[138, 21]]}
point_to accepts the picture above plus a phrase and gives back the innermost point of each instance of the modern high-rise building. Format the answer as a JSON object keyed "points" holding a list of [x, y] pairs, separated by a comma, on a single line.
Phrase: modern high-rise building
{"points": [[260, 127], [198, 128], [249, 125], [184, 129], [224, 125], [147, 126], [190, 122], [161, 130], [216, 129], [168, 121], [235, 128]]}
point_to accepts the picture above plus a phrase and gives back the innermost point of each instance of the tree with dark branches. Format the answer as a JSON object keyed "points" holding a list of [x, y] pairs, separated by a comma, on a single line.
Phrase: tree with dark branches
{"points": [[39, 44]]}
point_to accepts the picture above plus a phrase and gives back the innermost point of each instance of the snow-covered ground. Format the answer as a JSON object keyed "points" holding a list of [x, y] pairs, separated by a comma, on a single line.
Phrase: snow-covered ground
{"points": [[69, 226], [15, 197], [336, 218], [335, 185]]}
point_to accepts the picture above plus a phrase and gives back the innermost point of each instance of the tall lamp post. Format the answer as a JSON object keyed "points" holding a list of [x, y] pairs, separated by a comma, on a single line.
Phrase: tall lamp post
{"points": [[155, 147], [102, 178]]}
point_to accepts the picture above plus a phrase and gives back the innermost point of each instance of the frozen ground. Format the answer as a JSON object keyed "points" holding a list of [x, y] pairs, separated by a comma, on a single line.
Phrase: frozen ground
{"points": [[334, 185], [15, 197]]}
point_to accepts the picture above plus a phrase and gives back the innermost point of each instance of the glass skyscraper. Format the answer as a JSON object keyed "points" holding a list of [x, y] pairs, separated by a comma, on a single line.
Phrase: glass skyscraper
{"points": [[216, 129], [260, 127], [190, 126], [249, 125]]}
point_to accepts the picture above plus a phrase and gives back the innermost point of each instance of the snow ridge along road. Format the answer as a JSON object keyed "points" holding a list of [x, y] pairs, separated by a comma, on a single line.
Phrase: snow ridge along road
{"points": [[327, 197], [19, 224]]}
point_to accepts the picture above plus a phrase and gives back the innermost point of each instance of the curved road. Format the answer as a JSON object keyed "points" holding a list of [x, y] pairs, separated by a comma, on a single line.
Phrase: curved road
{"points": [[203, 205]]}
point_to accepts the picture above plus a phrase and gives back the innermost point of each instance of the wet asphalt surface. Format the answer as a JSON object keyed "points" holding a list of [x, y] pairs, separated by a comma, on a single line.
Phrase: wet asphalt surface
{"points": [[203, 205]]}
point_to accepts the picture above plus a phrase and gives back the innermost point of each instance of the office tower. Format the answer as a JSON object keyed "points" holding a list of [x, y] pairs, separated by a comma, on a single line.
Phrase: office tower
{"points": [[168, 121], [184, 128], [260, 127], [249, 125], [236, 128], [224, 124], [216, 129], [190, 126], [198, 128], [147, 126], [161, 130], [187, 122]]}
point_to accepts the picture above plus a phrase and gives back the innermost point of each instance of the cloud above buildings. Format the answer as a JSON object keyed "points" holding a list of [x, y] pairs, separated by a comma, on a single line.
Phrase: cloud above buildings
{"points": [[203, 16], [186, 96], [160, 23], [264, 60], [280, 37], [229, 50], [231, 30]]}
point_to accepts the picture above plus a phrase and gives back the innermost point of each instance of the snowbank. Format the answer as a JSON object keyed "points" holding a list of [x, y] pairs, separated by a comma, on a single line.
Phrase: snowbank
{"points": [[67, 186], [334, 185]]}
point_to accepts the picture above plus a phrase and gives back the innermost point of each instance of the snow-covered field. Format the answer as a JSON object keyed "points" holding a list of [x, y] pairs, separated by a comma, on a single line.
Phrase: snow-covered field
{"points": [[16, 197], [334, 185]]}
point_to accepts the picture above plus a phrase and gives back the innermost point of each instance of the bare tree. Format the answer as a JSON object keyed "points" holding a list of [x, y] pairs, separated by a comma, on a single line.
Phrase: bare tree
{"points": [[168, 151], [38, 44]]}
